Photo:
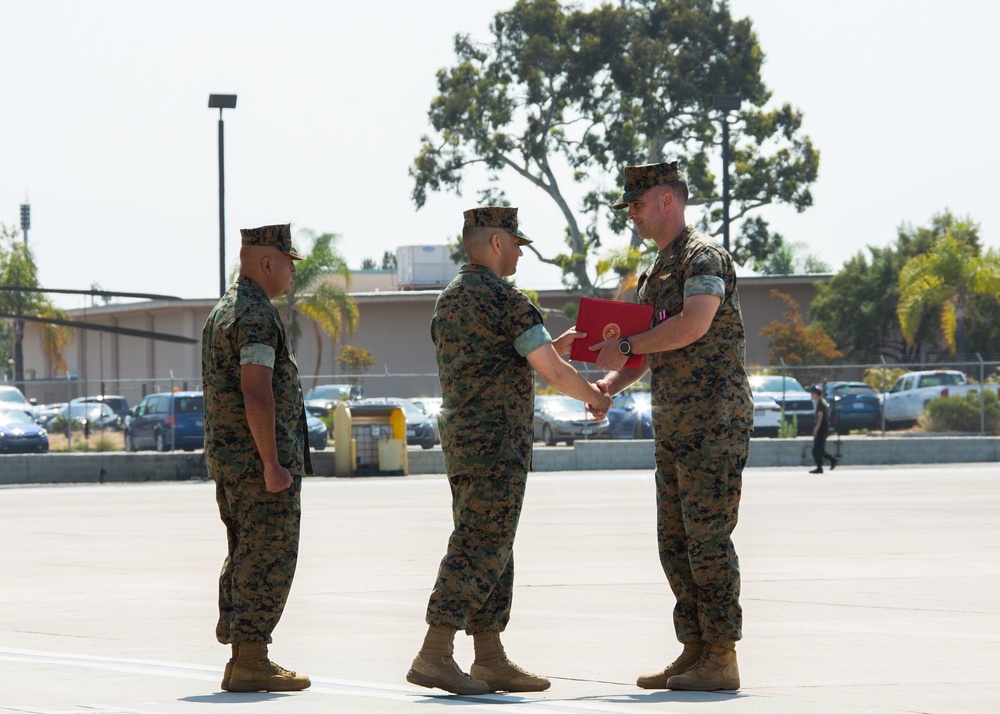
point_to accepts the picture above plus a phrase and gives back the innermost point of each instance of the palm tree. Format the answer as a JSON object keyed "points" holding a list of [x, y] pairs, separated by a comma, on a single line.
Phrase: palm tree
{"points": [[945, 278], [317, 296], [17, 268]]}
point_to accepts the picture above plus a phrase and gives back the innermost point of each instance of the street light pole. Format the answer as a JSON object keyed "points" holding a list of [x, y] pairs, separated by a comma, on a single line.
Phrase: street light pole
{"points": [[220, 102], [725, 103]]}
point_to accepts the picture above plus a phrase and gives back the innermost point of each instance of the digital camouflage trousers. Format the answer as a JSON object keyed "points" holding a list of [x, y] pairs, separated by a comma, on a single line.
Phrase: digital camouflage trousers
{"points": [[698, 487], [263, 533], [475, 581]]}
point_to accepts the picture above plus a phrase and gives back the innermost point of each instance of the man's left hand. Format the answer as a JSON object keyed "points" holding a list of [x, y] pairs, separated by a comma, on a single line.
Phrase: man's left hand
{"points": [[610, 357]]}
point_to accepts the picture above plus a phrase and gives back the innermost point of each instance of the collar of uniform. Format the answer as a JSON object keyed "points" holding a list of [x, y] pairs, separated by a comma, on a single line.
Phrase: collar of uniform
{"points": [[250, 283], [673, 249], [477, 268]]}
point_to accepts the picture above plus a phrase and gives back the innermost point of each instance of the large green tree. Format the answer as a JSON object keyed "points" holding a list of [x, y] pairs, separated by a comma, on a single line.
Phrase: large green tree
{"points": [[944, 280], [317, 294], [858, 307], [564, 98]]}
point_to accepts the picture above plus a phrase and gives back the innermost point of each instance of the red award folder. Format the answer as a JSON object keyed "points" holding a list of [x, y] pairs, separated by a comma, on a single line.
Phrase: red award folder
{"points": [[609, 320]]}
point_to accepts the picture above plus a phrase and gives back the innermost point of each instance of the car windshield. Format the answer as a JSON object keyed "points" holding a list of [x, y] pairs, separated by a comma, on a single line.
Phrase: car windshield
{"points": [[408, 407], [13, 417], [329, 391], [90, 410], [189, 405], [12, 396], [642, 399], [941, 379], [773, 383], [563, 405], [841, 390]]}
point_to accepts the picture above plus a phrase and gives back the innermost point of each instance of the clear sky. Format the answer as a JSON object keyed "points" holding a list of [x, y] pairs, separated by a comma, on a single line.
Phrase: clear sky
{"points": [[105, 127]]}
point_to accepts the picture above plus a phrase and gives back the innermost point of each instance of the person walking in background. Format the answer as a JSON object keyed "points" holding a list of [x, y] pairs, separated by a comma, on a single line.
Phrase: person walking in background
{"points": [[821, 430], [489, 338], [256, 452], [702, 419]]}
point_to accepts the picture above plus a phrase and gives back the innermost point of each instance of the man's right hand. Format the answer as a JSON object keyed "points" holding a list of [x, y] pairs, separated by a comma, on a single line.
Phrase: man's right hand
{"points": [[276, 478], [601, 404]]}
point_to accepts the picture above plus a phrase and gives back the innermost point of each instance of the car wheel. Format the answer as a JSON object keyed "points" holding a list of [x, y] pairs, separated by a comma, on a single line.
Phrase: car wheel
{"points": [[129, 444], [161, 442], [547, 437], [569, 442]]}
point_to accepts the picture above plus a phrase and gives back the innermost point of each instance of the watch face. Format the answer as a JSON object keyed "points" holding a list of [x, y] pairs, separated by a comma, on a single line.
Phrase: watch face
{"points": [[625, 347]]}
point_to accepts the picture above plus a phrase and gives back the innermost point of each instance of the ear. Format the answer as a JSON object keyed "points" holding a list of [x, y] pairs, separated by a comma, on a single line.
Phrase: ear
{"points": [[496, 242]]}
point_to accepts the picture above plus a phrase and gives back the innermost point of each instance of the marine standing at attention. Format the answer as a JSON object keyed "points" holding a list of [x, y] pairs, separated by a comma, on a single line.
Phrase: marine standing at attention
{"points": [[256, 449], [489, 338], [702, 419]]}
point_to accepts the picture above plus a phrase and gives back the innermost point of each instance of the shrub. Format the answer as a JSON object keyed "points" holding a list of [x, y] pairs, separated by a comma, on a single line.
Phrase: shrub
{"points": [[789, 428], [961, 414]]}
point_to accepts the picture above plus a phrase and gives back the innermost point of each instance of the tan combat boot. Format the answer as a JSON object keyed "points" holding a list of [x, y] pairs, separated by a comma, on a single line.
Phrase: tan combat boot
{"points": [[435, 667], [254, 672], [715, 670], [228, 674], [688, 659], [492, 666]]}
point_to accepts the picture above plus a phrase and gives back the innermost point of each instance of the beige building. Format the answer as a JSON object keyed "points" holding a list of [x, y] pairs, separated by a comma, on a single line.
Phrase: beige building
{"points": [[394, 327]]}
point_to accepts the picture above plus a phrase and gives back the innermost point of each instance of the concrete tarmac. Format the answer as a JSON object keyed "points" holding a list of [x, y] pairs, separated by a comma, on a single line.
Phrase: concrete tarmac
{"points": [[864, 590]]}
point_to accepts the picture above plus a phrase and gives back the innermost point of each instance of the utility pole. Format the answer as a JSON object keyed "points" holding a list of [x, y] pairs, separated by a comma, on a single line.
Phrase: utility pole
{"points": [[725, 103], [220, 102]]}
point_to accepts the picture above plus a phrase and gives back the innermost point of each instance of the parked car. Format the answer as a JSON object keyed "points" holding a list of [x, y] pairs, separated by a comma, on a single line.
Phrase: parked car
{"points": [[431, 406], [559, 418], [117, 403], [91, 415], [318, 433], [632, 416], [790, 395], [20, 434], [853, 405], [324, 398], [165, 419], [766, 416], [419, 429], [905, 402], [12, 397], [41, 412]]}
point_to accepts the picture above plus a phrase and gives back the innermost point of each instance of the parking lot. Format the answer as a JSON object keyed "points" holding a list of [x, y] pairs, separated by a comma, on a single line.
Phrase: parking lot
{"points": [[864, 590]]}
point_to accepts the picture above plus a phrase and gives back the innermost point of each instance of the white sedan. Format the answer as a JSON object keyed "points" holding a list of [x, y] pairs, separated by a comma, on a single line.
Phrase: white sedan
{"points": [[766, 416]]}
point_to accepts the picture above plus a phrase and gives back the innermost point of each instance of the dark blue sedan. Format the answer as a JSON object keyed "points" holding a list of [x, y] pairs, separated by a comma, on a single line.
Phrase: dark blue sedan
{"points": [[853, 405], [20, 434], [632, 416]]}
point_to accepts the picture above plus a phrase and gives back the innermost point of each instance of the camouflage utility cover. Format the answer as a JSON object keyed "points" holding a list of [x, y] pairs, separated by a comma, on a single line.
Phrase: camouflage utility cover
{"points": [[702, 387], [479, 329], [639, 179], [278, 236], [244, 322], [504, 217]]}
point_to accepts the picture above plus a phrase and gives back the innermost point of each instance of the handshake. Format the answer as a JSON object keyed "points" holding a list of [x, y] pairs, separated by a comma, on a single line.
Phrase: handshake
{"points": [[601, 402]]}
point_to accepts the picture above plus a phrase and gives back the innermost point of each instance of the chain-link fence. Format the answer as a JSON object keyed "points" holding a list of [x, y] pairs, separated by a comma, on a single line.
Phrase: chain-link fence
{"points": [[881, 375]]}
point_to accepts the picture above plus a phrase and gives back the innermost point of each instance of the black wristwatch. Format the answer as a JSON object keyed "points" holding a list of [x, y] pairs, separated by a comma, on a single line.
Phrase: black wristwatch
{"points": [[624, 346]]}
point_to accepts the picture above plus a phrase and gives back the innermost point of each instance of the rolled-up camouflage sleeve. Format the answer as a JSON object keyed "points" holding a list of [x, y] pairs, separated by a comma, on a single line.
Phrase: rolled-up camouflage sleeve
{"points": [[706, 277], [257, 338], [257, 354], [531, 340]]}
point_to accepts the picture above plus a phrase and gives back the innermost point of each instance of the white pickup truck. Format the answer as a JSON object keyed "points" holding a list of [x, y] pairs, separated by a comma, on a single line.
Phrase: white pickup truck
{"points": [[905, 402]]}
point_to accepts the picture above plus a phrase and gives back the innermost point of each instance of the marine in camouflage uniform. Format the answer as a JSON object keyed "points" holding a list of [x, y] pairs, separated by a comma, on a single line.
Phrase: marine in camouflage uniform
{"points": [[262, 526], [702, 419], [486, 333]]}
